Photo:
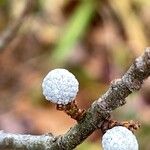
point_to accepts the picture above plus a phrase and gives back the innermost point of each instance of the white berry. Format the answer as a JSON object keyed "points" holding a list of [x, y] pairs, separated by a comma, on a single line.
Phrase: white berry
{"points": [[119, 138], [60, 86]]}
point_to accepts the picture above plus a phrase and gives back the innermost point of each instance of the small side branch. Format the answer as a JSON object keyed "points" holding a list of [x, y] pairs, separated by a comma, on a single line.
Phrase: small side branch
{"points": [[11, 31], [95, 116]]}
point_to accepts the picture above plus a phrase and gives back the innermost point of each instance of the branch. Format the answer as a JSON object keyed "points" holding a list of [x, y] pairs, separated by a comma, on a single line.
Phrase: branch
{"points": [[112, 99], [11, 31], [95, 115], [25, 142]]}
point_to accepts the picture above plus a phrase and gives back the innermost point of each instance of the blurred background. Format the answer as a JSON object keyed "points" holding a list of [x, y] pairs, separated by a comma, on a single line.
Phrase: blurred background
{"points": [[97, 40]]}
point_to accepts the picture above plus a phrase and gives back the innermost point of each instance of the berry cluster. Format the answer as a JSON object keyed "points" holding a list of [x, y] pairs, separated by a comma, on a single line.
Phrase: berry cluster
{"points": [[119, 138], [60, 86]]}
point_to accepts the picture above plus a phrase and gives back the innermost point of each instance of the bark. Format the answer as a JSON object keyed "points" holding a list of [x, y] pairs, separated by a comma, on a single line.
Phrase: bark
{"points": [[115, 97], [25, 142]]}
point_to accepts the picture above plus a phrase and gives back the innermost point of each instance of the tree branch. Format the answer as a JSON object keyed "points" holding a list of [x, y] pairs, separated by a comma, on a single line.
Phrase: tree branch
{"points": [[25, 142], [95, 115]]}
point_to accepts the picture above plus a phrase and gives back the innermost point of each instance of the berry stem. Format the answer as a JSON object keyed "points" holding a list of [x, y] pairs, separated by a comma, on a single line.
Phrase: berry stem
{"points": [[110, 123], [72, 110]]}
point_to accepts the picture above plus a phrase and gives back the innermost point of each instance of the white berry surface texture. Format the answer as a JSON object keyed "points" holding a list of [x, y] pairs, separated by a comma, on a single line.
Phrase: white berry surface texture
{"points": [[60, 86], [119, 138]]}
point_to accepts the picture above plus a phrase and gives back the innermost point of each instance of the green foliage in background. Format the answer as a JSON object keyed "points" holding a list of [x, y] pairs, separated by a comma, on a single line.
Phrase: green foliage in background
{"points": [[73, 31]]}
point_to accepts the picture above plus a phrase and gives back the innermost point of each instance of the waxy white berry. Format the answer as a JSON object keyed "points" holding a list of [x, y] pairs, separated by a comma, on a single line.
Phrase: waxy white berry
{"points": [[60, 86], [119, 138]]}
